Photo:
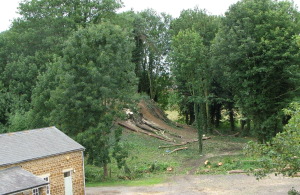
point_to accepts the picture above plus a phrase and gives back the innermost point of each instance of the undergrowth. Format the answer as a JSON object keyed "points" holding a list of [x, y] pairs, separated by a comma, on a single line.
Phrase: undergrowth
{"points": [[147, 164]]}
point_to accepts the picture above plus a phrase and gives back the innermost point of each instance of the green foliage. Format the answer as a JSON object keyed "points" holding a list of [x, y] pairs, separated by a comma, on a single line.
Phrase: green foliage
{"points": [[221, 165], [293, 192], [18, 121], [93, 173], [281, 154], [256, 44], [88, 88], [151, 31], [205, 26], [35, 40], [189, 67], [198, 20], [136, 182]]}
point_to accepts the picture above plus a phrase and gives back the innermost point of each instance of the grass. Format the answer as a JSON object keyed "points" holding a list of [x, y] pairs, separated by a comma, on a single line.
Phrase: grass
{"points": [[228, 163], [138, 182], [144, 152], [148, 164]]}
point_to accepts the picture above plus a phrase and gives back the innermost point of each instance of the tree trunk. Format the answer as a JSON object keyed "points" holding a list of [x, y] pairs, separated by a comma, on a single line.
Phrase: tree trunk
{"points": [[203, 117], [191, 113], [231, 117], [105, 170], [248, 126], [187, 121], [208, 121], [199, 126], [243, 123], [218, 115]]}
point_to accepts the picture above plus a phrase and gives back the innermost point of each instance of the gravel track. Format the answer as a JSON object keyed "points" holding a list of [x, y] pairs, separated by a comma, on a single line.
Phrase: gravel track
{"points": [[238, 184]]}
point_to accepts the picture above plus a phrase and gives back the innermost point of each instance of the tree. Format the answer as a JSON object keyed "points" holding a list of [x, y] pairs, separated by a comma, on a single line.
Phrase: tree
{"points": [[282, 154], [88, 88], [189, 66], [206, 26], [152, 39], [35, 38], [257, 45]]}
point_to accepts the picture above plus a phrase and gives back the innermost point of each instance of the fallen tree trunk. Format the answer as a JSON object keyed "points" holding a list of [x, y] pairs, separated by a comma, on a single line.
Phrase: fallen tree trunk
{"points": [[127, 126], [177, 149], [146, 128], [152, 125], [149, 129]]}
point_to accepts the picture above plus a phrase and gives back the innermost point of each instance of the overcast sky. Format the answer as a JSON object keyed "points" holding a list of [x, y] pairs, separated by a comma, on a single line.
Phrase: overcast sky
{"points": [[8, 8]]}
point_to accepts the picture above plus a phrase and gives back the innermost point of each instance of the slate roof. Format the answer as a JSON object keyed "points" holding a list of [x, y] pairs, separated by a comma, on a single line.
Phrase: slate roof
{"points": [[35, 144], [16, 179]]}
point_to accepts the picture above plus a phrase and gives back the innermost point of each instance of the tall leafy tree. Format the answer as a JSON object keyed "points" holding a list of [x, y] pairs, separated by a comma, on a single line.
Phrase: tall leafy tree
{"points": [[36, 37], [257, 45], [190, 64], [152, 37], [206, 26], [88, 87]]}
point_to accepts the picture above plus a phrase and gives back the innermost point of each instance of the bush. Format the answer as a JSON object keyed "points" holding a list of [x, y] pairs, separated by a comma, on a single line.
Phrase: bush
{"points": [[282, 154], [93, 173], [293, 192]]}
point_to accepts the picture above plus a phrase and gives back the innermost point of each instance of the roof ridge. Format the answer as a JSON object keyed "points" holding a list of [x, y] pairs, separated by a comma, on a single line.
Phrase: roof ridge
{"points": [[27, 131]]}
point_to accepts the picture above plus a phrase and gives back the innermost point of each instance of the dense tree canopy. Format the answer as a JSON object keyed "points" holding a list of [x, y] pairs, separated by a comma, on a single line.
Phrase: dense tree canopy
{"points": [[77, 64], [88, 88], [152, 37], [206, 26], [257, 45]]}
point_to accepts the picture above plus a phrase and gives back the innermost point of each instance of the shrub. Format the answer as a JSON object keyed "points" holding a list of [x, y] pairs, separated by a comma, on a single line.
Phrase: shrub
{"points": [[282, 154], [93, 173]]}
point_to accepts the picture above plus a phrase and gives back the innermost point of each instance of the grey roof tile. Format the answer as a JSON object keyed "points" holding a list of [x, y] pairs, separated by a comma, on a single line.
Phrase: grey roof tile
{"points": [[16, 179], [34, 144]]}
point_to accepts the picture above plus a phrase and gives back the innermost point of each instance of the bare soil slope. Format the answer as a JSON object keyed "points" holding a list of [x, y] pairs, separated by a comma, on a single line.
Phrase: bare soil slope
{"points": [[153, 121]]}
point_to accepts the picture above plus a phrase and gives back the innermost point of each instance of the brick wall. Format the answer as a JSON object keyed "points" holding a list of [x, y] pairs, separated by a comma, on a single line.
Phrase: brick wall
{"points": [[55, 166]]}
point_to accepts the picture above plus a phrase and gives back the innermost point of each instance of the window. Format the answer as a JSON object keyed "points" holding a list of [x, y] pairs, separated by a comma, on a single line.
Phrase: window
{"points": [[35, 191], [67, 174], [48, 186]]}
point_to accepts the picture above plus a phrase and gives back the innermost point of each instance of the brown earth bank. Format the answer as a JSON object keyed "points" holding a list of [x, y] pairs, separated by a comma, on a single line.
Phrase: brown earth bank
{"points": [[151, 120], [239, 184]]}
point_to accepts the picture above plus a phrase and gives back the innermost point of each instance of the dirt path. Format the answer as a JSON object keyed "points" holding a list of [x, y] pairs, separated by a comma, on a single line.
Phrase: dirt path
{"points": [[196, 163], [206, 185]]}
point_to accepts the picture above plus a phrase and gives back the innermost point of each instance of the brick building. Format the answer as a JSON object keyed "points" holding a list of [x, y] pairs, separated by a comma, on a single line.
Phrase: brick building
{"points": [[41, 162]]}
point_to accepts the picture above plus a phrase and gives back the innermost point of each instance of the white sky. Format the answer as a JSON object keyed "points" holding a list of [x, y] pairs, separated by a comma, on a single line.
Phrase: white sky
{"points": [[8, 8]]}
